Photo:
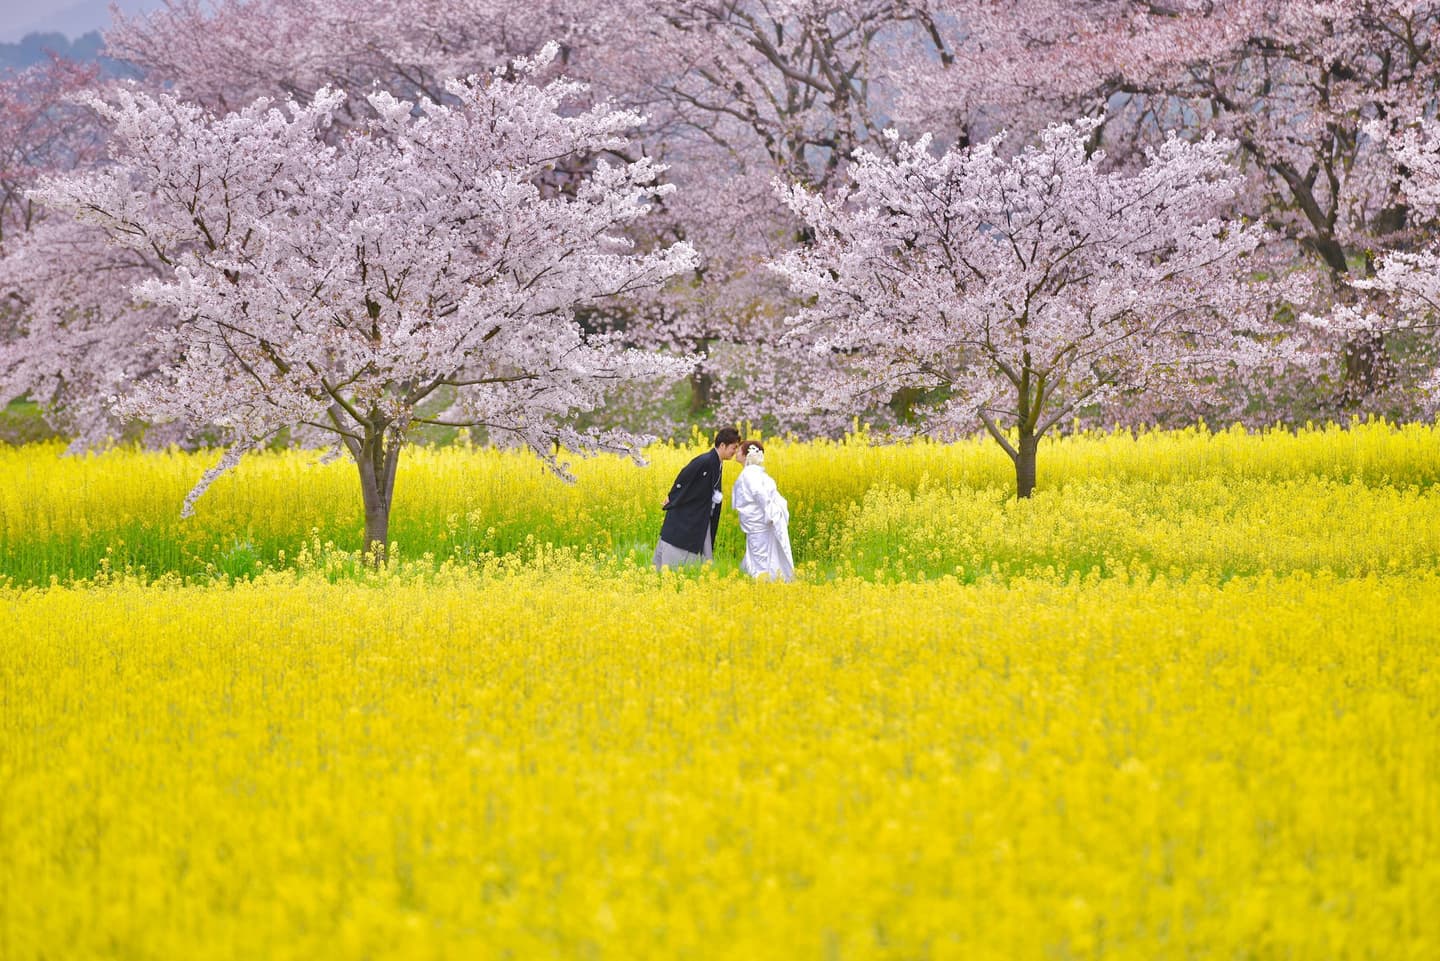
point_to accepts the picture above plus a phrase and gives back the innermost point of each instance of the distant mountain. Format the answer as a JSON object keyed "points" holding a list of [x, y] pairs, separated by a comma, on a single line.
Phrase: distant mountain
{"points": [[70, 17], [36, 48]]}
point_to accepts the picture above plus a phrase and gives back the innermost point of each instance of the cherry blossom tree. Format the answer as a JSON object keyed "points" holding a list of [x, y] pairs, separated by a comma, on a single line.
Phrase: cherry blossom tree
{"points": [[55, 318], [420, 269], [1016, 290], [1296, 94], [1022, 66], [1291, 81], [79, 338], [1407, 279], [741, 92], [40, 132], [72, 335], [738, 92], [1294, 83], [225, 54]]}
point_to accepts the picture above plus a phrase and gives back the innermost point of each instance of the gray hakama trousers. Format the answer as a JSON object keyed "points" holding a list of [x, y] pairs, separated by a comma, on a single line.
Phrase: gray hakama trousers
{"points": [[668, 555]]}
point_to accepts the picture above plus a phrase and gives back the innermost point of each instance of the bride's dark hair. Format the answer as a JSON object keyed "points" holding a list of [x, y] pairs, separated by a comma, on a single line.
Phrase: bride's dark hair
{"points": [[748, 445]]}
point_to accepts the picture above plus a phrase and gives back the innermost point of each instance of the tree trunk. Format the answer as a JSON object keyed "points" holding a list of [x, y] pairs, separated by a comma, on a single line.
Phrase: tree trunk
{"points": [[1368, 369], [702, 391], [902, 403], [377, 461], [1366, 365], [1025, 463]]}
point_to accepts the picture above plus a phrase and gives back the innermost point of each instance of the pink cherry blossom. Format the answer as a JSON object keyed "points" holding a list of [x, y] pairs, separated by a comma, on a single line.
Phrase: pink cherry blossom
{"points": [[1017, 290], [420, 268]]}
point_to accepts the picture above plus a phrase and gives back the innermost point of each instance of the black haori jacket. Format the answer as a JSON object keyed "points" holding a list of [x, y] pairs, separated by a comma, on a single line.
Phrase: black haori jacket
{"points": [[690, 509]]}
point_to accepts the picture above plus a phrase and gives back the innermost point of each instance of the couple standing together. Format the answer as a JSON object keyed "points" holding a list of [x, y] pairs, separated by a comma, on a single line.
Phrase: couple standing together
{"points": [[692, 511]]}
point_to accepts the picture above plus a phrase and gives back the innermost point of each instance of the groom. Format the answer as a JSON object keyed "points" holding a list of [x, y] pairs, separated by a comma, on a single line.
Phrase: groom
{"points": [[692, 511]]}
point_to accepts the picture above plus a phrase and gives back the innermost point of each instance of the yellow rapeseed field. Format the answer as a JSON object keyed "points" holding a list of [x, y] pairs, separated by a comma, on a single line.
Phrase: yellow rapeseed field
{"points": [[1353, 501], [1183, 704]]}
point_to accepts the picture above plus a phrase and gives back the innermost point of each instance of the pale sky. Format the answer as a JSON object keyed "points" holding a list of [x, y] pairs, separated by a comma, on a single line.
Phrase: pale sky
{"points": [[70, 17]]}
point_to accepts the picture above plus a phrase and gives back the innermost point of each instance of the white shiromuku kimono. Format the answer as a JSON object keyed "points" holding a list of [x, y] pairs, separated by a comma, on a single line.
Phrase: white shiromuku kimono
{"points": [[765, 519]]}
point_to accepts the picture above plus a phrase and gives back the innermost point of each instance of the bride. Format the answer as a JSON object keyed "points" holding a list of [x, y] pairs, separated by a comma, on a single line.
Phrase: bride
{"points": [[764, 517]]}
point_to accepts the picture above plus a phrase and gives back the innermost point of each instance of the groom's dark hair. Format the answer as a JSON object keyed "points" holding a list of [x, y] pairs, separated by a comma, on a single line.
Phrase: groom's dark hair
{"points": [[727, 435]]}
